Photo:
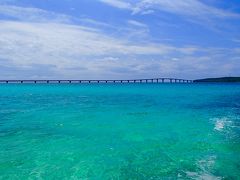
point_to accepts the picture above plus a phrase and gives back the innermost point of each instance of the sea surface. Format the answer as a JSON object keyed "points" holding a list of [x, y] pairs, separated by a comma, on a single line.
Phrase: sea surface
{"points": [[119, 131]]}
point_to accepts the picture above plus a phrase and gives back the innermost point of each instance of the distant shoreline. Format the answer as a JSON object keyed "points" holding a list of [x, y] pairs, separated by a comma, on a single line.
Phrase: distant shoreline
{"points": [[219, 80]]}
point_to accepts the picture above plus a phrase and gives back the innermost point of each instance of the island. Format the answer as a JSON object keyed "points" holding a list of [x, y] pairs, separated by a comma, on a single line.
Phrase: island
{"points": [[221, 79]]}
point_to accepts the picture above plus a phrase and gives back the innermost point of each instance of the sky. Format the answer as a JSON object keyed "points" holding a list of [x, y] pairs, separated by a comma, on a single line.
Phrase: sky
{"points": [[119, 39]]}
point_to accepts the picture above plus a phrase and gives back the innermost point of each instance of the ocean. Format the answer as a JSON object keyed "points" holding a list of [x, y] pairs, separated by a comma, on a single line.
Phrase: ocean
{"points": [[119, 131]]}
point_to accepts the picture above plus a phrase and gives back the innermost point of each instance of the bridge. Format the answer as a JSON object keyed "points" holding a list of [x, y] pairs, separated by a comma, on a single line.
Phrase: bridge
{"points": [[154, 80]]}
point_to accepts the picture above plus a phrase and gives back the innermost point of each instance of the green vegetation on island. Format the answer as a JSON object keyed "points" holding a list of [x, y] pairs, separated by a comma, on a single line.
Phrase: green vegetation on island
{"points": [[221, 79]]}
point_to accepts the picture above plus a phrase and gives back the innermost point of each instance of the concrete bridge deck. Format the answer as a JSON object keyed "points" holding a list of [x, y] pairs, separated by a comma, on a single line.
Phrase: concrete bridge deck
{"points": [[154, 80]]}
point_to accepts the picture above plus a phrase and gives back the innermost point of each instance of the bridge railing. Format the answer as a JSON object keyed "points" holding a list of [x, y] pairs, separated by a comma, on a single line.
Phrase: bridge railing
{"points": [[154, 80]]}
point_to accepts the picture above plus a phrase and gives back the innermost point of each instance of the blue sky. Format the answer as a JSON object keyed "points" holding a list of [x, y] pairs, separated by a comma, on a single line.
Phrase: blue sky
{"points": [[119, 39]]}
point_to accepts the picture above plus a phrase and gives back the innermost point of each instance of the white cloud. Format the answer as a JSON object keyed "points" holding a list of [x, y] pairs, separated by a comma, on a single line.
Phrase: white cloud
{"points": [[118, 3], [95, 23], [236, 40], [32, 14], [193, 11], [64, 46], [137, 23], [181, 7], [45, 42], [27, 14], [186, 7], [71, 51], [76, 51], [237, 50], [63, 39]]}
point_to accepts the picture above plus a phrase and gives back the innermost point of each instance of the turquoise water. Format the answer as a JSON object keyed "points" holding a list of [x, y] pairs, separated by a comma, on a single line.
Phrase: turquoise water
{"points": [[130, 131]]}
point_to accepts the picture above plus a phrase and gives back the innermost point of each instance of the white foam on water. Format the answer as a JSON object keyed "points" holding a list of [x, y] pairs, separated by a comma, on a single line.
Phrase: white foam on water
{"points": [[205, 166], [206, 176], [221, 123]]}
